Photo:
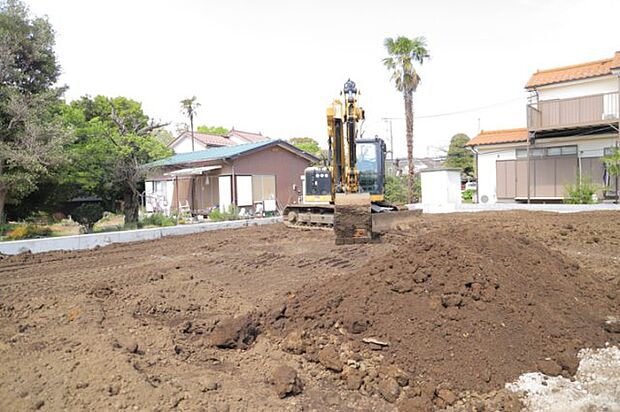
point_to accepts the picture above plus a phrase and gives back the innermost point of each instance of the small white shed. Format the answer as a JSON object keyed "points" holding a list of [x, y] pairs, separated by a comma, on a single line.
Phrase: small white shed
{"points": [[441, 186]]}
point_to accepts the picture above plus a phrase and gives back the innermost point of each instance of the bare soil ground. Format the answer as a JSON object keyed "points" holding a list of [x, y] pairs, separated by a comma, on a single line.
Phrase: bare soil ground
{"points": [[469, 303]]}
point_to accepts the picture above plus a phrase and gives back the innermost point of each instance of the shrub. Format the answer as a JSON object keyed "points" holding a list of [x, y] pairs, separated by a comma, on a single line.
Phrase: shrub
{"points": [[28, 231], [468, 195], [157, 219], [6, 227], [231, 214], [215, 215], [40, 218], [87, 215], [582, 192]]}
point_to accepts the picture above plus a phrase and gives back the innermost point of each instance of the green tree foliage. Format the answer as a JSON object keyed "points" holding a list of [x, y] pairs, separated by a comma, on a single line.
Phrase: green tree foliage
{"points": [[219, 130], [459, 156], [31, 136], [307, 144], [612, 162], [164, 136], [403, 53], [114, 139], [396, 190]]}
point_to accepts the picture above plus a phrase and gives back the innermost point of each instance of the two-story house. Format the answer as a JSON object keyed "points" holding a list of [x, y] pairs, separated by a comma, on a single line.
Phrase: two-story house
{"points": [[572, 122]]}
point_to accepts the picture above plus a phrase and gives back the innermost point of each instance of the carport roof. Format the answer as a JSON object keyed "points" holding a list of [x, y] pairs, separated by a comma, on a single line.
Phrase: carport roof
{"points": [[227, 152]]}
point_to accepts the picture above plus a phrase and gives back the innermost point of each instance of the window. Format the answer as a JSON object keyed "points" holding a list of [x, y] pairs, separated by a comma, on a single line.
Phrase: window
{"points": [[263, 188], [569, 150], [522, 153], [562, 151], [366, 157], [550, 151]]}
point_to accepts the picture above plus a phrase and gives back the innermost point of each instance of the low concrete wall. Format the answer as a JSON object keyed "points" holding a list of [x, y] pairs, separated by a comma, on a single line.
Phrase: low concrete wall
{"points": [[469, 207], [80, 242]]}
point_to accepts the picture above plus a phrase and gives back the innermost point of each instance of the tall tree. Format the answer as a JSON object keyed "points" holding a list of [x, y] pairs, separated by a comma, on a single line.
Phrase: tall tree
{"points": [[403, 53], [31, 137], [115, 138], [188, 107], [460, 156]]}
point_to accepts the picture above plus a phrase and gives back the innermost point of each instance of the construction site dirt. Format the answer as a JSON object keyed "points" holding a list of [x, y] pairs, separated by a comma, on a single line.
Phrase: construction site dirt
{"points": [[439, 314]]}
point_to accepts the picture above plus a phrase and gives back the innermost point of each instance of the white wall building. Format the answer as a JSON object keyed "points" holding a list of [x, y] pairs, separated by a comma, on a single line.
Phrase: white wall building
{"points": [[572, 122]]}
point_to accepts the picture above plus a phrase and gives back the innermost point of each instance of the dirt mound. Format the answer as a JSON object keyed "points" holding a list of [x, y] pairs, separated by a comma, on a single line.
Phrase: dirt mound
{"points": [[459, 309]]}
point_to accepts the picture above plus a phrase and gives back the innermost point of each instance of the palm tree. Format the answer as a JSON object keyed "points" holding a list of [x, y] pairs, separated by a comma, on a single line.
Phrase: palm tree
{"points": [[403, 53], [188, 107]]}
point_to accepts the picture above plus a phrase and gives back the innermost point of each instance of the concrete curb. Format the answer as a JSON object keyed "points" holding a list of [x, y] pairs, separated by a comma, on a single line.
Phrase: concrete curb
{"points": [[81, 242], [498, 207]]}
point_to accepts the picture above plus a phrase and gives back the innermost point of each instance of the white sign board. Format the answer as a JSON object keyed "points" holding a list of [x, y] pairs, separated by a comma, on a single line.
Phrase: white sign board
{"points": [[244, 190]]}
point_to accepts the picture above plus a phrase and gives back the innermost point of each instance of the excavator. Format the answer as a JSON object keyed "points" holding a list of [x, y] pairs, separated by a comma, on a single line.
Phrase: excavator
{"points": [[348, 193]]}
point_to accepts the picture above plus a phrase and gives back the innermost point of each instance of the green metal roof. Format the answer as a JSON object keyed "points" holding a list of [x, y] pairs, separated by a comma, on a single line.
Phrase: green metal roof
{"points": [[216, 153]]}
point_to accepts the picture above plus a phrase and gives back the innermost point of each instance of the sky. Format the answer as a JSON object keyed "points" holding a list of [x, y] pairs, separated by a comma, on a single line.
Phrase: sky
{"points": [[275, 65]]}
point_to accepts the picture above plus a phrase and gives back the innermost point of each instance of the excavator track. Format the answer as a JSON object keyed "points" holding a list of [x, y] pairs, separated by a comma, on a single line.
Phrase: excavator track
{"points": [[305, 216], [321, 217]]}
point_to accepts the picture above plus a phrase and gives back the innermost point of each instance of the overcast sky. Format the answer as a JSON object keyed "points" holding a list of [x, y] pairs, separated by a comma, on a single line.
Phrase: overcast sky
{"points": [[273, 66]]}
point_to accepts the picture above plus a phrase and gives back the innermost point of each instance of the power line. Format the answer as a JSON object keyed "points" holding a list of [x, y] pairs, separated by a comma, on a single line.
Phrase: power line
{"points": [[473, 109]]}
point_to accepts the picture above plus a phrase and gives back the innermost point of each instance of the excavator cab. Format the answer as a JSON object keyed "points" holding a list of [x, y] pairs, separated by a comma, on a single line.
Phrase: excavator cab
{"points": [[371, 167]]}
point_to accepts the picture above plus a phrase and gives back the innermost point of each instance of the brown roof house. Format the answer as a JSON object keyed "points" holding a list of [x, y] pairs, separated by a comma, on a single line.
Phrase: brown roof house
{"points": [[572, 122], [203, 141], [261, 176]]}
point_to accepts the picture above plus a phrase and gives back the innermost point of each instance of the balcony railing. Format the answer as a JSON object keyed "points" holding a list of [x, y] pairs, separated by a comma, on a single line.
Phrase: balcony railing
{"points": [[575, 112]]}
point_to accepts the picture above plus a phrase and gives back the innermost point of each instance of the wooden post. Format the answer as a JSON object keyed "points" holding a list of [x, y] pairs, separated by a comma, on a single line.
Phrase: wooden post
{"points": [[528, 167]]}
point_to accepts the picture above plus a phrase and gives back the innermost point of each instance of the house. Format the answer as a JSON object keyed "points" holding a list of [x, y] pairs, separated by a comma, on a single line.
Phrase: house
{"points": [[203, 141], [572, 122], [259, 176], [399, 166]]}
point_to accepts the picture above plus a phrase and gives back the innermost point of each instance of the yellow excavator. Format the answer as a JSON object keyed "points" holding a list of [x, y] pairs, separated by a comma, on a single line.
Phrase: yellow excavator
{"points": [[348, 193]]}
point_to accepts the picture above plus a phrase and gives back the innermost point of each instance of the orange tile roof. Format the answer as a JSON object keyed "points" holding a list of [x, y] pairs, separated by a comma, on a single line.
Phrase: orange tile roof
{"points": [[575, 72], [499, 136], [615, 64]]}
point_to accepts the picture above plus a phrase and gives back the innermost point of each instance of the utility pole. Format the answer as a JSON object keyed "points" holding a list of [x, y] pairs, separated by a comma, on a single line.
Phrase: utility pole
{"points": [[389, 120], [191, 128], [391, 142]]}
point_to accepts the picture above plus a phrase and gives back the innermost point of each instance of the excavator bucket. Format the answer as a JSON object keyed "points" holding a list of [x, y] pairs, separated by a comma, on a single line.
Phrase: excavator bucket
{"points": [[352, 218], [386, 221]]}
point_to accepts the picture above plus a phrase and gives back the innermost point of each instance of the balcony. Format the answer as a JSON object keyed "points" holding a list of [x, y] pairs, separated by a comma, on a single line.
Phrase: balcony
{"points": [[597, 109]]}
